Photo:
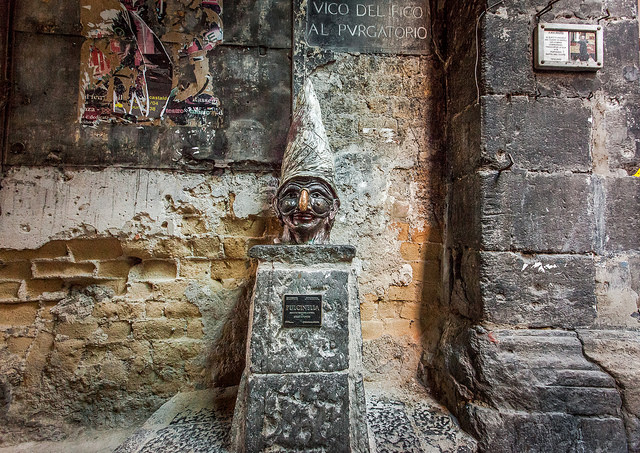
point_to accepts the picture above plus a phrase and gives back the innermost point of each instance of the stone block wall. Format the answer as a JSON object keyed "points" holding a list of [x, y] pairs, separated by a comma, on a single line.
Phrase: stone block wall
{"points": [[540, 271]]}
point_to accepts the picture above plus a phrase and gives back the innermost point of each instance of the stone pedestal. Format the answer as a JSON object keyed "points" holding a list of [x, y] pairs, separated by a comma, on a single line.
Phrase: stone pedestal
{"points": [[302, 386]]}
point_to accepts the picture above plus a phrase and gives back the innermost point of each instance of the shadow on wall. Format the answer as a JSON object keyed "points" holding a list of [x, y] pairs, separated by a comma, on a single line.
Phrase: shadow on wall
{"points": [[226, 358]]}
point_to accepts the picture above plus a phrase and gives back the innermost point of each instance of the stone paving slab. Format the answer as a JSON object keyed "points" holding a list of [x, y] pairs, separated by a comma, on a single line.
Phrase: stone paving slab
{"points": [[410, 420], [190, 422], [402, 420]]}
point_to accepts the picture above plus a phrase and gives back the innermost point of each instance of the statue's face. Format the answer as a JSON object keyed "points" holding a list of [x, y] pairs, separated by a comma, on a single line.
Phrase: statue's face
{"points": [[306, 206]]}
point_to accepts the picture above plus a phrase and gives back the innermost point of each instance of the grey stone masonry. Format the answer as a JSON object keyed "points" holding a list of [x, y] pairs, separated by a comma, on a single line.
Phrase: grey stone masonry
{"points": [[542, 238], [529, 212], [534, 390], [538, 290], [302, 386]]}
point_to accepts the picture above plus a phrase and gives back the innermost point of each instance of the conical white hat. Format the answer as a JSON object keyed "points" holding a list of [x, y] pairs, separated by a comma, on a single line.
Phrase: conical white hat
{"points": [[308, 153]]}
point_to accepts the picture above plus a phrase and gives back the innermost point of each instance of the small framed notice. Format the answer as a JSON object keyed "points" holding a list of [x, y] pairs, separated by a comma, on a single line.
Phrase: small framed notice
{"points": [[302, 310], [569, 47]]}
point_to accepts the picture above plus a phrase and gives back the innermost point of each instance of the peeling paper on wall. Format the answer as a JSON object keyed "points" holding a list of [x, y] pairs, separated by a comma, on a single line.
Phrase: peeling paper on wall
{"points": [[146, 61]]}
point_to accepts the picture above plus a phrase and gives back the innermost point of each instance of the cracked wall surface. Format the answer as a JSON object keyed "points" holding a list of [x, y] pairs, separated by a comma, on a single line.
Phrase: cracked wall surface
{"points": [[539, 325], [516, 299]]}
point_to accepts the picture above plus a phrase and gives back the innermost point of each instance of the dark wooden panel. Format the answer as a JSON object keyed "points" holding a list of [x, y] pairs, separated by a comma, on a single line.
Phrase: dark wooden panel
{"points": [[54, 16], [258, 23]]}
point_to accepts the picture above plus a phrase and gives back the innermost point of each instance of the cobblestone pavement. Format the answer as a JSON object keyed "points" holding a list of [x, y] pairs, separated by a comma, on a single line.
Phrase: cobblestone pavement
{"points": [[410, 420], [400, 420]]}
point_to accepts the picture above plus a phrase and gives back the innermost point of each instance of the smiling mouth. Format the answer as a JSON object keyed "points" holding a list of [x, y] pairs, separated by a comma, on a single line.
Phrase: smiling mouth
{"points": [[303, 217]]}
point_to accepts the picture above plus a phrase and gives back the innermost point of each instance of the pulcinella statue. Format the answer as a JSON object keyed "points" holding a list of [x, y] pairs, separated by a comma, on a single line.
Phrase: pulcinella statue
{"points": [[307, 201]]}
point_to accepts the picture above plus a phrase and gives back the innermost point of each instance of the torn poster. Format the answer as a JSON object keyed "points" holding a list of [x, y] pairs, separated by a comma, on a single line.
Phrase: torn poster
{"points": [[146, 61]]}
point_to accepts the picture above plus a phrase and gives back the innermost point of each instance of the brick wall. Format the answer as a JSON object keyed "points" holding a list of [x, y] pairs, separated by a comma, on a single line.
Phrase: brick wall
{"points": [[130, 285], [385, 132], [121, 287], [102, 330]]}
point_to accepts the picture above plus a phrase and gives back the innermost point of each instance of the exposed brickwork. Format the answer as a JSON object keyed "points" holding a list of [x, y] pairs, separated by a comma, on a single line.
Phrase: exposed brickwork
{"points": [[123, 309], [114, 317], [19, 314]]}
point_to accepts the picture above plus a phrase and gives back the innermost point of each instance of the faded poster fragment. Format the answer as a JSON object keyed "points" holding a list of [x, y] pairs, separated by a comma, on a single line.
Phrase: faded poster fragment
{"points": [[146, 61]]}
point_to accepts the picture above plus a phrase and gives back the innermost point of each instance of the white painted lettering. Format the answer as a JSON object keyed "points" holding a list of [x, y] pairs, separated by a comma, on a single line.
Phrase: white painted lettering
{"points": [[406, 11], [369, 28]]}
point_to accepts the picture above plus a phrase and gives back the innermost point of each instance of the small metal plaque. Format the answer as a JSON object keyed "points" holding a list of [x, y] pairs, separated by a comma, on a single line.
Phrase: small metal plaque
{"points": [[373, 26], [569, 47], [302, 310]]}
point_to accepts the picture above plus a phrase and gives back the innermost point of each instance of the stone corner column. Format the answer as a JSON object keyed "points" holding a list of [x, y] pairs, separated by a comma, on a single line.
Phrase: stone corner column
{"points": [[302, 386]]}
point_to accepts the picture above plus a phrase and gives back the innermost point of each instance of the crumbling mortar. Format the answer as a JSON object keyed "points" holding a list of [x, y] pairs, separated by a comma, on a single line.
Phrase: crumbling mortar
{"points": [[527, 253], [531, 96]]}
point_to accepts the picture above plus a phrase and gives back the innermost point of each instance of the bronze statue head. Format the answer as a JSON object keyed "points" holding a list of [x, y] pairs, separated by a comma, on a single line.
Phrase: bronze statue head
{"points": [[307, 207], [307, 201]]}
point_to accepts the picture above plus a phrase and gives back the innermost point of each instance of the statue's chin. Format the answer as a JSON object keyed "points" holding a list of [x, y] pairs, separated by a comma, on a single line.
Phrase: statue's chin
{"points": [[305, 233]]}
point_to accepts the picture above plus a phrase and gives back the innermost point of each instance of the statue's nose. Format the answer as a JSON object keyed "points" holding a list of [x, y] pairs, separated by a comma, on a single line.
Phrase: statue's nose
{"points": [[303, 202]]}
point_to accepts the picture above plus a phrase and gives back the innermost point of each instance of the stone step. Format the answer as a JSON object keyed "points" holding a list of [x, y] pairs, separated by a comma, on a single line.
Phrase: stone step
{"points": [[400, 420]]}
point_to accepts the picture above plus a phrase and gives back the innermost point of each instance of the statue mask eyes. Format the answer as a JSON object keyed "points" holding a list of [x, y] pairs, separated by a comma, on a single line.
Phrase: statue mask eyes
{"points": [[319, 202], [288, 205]]}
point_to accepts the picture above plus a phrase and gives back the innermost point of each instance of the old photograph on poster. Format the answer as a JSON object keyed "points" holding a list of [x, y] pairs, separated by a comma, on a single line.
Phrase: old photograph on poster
{"points": [[583, 46]]}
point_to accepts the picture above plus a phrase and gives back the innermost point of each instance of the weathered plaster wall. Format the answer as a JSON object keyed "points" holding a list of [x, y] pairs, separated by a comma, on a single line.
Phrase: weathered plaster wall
{"points": [[541, 254], [120, 287], [382, 117], [101, 330]]}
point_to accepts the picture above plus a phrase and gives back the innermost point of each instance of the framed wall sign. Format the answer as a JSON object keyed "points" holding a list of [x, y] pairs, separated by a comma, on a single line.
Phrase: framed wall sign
{"points": [[568, 47]]}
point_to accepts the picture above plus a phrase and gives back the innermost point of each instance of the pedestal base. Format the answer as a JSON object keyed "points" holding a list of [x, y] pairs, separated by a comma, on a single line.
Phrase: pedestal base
{"points": [[302, 386]]}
